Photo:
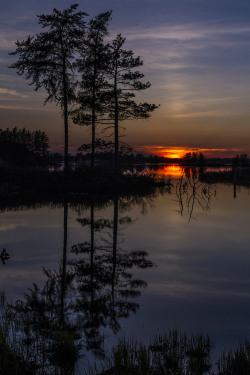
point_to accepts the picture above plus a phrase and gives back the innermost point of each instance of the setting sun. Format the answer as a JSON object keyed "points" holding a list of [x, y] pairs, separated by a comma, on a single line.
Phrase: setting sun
{"points": [[173, 154], [166, 152]]}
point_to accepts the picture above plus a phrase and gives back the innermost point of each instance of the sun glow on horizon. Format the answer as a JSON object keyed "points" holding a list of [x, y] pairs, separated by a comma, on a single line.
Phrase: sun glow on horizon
{"points": [[166, 152], [180, 152], [173, 153]]}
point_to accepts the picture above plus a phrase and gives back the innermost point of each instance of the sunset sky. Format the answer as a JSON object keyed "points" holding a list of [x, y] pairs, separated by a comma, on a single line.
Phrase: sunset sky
{"points": [[196, 55]]}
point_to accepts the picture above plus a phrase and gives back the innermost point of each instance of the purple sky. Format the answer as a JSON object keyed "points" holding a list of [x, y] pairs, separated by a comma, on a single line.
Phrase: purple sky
{"points": [[196, 55]]}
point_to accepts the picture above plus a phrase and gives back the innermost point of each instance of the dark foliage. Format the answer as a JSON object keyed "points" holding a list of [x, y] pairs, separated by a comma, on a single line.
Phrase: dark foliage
{"points": [[194, 158], [47, 59], [22, 147]]}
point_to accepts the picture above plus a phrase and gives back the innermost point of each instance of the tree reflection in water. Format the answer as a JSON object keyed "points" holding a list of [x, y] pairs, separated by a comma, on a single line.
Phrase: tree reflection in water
{"points": [[105, 287], [94, 286], [46, 318], [191, 192], [89, 292]]}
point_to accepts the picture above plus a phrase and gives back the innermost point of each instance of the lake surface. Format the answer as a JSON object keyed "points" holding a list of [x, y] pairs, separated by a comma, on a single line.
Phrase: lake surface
{"points": [[136, 266]]}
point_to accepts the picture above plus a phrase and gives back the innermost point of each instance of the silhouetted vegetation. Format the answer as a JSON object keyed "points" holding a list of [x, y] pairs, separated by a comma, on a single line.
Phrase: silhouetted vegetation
{"points": [[191, 192], [21, 147], [54, 59], [170, 353], [241, 160], [48, 59], [39, 184], [94, 286], [237, 176], [194, 159], [124, 82], [173, 352], [126, 156], [92, 290], [93, 66]]}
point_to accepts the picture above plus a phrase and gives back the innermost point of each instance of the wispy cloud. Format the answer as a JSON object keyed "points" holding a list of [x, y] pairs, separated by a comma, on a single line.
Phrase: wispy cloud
{"points": [[185, 32], [189, 46], [12, 93]]}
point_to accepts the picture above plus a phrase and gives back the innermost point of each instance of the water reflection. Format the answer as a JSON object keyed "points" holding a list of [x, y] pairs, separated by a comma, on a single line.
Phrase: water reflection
{"points": [[102, 275], [98, 289], [170, 170], [93, 288], [190, 192], [45, 318], [4, 256]]}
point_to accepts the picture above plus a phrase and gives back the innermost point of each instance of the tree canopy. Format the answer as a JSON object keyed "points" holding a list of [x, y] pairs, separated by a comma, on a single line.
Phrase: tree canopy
{"points": [[48, 59], [77, 67]]}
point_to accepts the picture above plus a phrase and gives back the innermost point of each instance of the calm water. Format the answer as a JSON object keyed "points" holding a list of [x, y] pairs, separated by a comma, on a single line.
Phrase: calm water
{"points": [[139, 265]]}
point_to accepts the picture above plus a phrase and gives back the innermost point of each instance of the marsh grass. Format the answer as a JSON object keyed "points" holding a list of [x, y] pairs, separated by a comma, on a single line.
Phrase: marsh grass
{"points": [[12, 353], [173, 353], [236, 361], [176, 353], [23, 351]]}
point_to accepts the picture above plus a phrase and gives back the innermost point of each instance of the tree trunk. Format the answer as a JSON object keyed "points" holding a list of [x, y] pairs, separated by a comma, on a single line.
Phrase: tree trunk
{"points": [[93, 120], [66, 125], [64, 260], [114, 262], [116, 126]]}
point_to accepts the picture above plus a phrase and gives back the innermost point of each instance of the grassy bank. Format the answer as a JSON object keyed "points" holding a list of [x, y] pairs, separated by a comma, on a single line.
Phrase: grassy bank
{"points": [[27, 350], [171, 353], [176, 353]]}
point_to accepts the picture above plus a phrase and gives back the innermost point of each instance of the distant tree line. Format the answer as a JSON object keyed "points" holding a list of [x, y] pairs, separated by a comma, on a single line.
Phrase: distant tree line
{"points": [[80, 68], [198, 159], [125, 158], [194, 158], [23, 147], [241, 160]]}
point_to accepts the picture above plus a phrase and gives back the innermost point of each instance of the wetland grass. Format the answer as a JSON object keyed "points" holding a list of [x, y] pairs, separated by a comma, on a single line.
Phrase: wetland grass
{"points": [[171, 353]]}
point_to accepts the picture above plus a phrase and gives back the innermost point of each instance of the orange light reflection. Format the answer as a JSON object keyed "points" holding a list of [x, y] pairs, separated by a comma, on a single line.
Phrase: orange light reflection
{"points": [[170, 170]]}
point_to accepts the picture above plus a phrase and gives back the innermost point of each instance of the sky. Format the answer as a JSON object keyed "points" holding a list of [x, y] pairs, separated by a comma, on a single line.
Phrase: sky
{"points": [[196, 56]]}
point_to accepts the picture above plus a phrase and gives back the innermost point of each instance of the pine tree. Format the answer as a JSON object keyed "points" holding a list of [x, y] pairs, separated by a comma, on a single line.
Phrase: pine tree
{"points": [[93, 68], [48, 58], [124, 82]]}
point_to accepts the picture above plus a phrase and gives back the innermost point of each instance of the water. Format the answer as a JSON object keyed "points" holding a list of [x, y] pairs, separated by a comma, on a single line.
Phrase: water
{"points": [[179, 259]]}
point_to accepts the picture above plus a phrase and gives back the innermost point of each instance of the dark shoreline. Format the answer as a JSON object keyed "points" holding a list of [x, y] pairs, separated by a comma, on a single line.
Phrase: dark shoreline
{"points": [[38, 186], [26, 187]]}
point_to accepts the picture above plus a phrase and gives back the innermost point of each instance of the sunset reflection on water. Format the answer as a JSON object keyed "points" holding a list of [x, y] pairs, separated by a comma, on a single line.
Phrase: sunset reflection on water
{"points": [[175, 171], [178, 171]]}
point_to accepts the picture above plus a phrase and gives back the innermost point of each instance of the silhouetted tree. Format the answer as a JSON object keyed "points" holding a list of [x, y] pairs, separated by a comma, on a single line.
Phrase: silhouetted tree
{"points": [[244, 160], [48, 58], [202, 160], [240, 160], [124, 82], [93, 68], [194, 158]]}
